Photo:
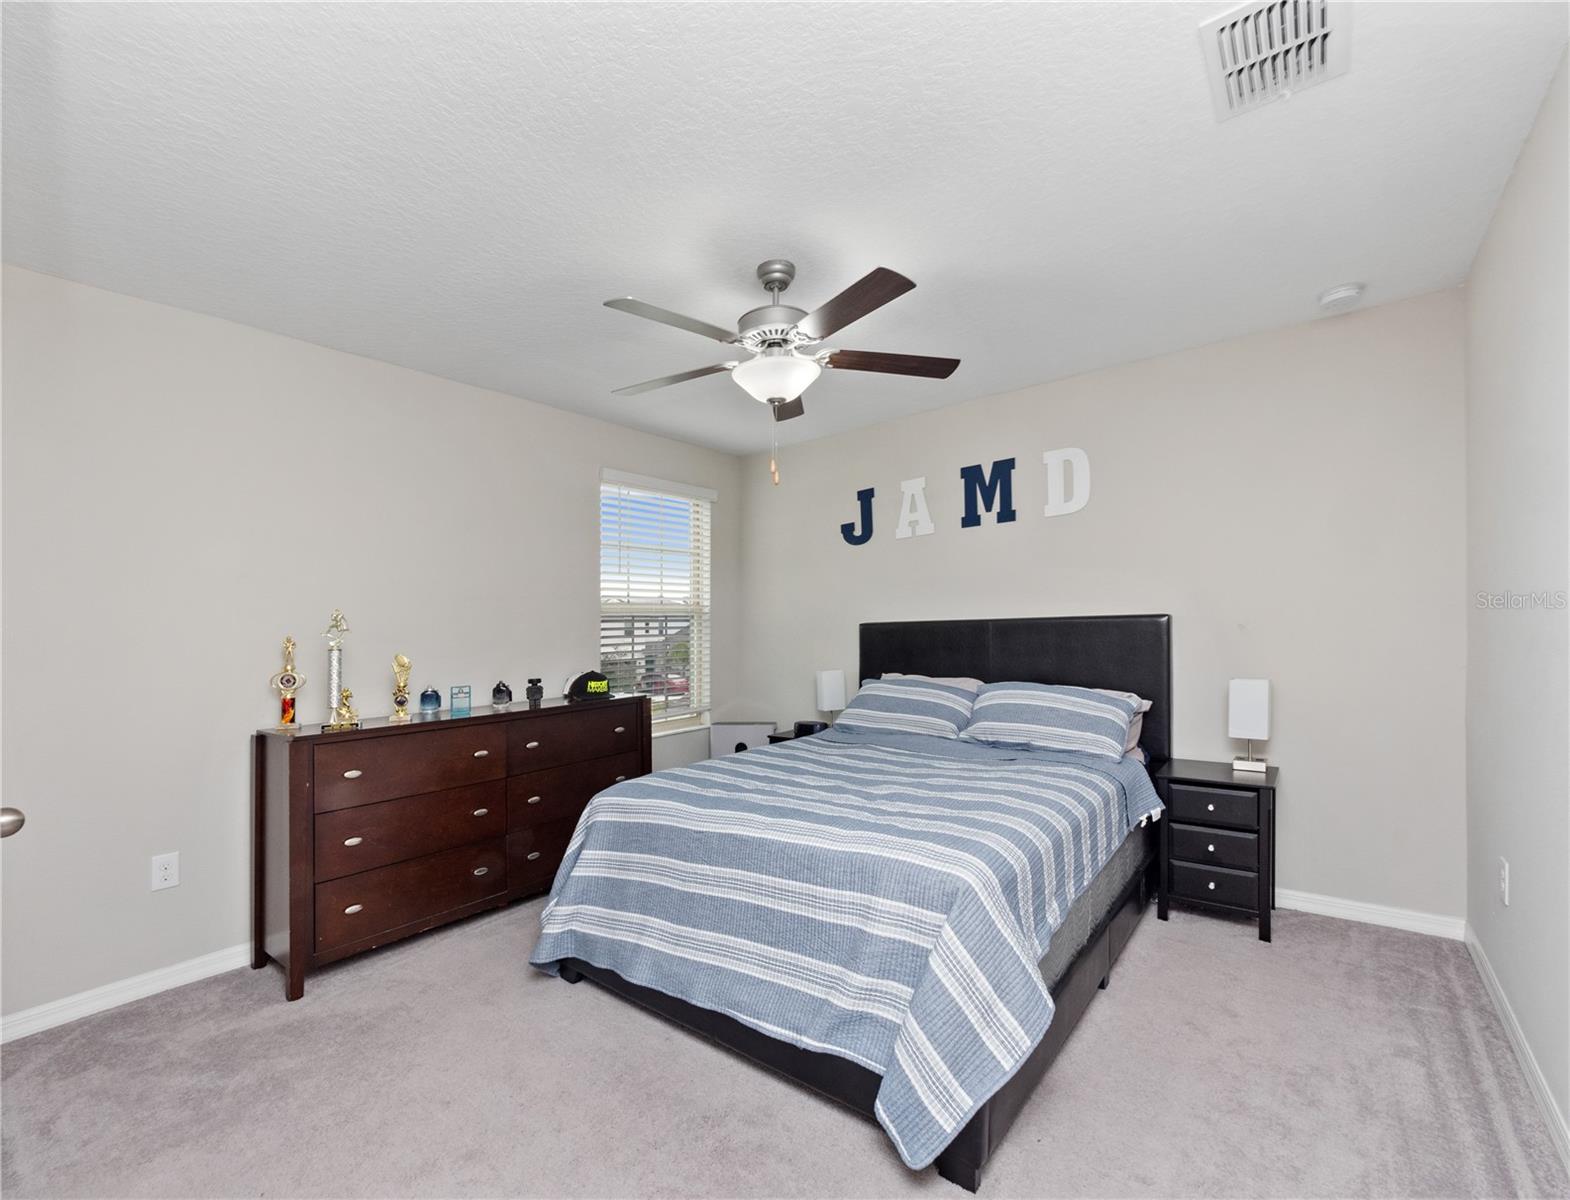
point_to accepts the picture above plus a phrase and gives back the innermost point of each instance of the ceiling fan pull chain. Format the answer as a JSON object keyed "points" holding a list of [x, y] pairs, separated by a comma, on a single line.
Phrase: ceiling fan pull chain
{"points": [[774, 454]]}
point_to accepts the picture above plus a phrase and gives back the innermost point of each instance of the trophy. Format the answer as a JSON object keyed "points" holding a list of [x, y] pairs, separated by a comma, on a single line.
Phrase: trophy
{"points": [[400, 712], [286, 683], [336, 628], [344, 716]]}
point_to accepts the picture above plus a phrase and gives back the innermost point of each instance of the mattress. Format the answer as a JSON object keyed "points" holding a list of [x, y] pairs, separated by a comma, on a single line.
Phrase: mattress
{"points": [[1089, 912]]}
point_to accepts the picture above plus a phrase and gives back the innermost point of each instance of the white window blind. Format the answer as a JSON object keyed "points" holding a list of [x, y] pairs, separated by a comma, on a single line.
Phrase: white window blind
{"points": [[654, 592]]}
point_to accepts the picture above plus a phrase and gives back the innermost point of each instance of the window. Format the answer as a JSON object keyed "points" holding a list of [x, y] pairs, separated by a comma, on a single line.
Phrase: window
{"points": [[654, 592]]}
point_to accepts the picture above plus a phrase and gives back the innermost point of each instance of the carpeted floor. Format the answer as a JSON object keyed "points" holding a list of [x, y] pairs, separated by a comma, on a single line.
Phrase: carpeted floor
{"points": [[1342, 1060]]}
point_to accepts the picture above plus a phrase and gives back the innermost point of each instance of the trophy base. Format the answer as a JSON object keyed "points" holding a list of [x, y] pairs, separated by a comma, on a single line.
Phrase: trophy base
{"points": [[399, 716], [343, 728]]}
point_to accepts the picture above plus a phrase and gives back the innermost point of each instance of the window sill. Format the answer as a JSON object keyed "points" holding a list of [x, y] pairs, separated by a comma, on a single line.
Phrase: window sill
{"points": [[672, 728]]}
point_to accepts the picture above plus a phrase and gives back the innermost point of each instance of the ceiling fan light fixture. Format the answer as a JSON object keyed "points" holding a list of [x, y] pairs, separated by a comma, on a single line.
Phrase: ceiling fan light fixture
{"points": [[782, 376]]}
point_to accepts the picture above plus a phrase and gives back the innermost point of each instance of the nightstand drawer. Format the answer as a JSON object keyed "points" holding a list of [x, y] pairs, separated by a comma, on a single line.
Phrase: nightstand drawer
{"points": [[1219, 885], [1214, 805], [1215, 847]]}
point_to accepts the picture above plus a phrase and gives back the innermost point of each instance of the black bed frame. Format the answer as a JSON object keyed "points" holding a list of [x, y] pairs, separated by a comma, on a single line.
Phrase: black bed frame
{"points": [[1132, 653]]}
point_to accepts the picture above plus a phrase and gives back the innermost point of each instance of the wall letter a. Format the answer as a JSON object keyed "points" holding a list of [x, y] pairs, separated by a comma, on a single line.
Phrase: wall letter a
{"points": [[913, 515], [848, 530]]}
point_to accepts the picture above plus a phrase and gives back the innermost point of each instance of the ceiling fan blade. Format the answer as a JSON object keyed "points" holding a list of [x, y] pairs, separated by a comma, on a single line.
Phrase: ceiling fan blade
{"points": [[872, 291], [785, 410], [667, 380], [664, 316], [893, 364]]}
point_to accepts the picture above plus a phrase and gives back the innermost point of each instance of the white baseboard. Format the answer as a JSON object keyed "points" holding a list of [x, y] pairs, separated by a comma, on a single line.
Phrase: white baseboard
{"points": [[1557, 1126], [112, 995], [1373, 914]]}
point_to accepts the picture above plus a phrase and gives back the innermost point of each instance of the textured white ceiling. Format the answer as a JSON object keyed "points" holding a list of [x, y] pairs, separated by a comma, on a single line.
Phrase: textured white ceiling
{"points": [[456, 188]]}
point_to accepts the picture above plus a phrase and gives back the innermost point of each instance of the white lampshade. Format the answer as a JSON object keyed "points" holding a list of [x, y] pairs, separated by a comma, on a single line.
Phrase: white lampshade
{"points": [[1248, 709], [831, 691], [776, 376]]}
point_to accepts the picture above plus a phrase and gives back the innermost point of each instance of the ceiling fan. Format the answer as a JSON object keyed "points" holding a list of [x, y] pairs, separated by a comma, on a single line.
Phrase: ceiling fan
{"points": [[784, 340]]}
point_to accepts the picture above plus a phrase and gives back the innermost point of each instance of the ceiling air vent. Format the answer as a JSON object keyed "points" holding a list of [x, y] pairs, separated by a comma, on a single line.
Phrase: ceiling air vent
{"points": [[1264, 52]]}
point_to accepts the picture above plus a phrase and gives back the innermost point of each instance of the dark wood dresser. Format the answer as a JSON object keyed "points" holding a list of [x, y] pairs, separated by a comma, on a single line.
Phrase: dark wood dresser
{"points": [[373, 834]]}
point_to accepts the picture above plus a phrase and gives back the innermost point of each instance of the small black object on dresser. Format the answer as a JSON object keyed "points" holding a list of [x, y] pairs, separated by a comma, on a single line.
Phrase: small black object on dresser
{"points": [[802, 729], [1218, 847]]}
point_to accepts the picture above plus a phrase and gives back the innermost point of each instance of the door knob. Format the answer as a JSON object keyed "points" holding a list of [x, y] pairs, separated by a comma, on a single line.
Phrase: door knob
{"points": [[11, 819]]}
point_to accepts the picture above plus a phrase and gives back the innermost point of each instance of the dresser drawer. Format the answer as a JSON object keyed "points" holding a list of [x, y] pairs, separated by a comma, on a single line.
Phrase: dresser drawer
{"points": [[366, 770], [1219, 885], [534, 854], [545, 797], [587, 732], [351, 840], [1214, 805], [372, 902], [1215, 847]]}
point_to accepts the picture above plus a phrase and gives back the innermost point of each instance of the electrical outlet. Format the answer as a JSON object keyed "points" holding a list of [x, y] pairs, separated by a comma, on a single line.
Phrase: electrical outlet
{"points": [[1504, 881], [166, 871]]}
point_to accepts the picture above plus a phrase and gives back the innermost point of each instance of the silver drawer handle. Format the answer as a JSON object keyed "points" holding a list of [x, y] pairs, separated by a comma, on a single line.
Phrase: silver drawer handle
{"points": [[531, 746], [352, 909], [481, 870], [480, 812], [352, 774], [532, 800], [482, 754], [1211, 886], [354, 841], [1212, 849], [534, 855], [619, 778], [621, 729], [1211, 807]]}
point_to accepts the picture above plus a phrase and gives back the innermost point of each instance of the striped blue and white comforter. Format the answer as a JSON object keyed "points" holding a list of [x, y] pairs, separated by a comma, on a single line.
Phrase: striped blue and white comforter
{"points": [[882, 897]]}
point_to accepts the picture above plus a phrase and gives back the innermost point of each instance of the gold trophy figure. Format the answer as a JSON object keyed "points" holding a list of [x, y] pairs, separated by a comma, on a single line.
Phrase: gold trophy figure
{"points": [[344, 716], [336, 628], [286, 683], [401, 668]]}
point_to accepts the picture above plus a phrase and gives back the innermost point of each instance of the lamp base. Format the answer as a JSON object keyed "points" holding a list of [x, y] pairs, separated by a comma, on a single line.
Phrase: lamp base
{"points": [[1250, 764]]}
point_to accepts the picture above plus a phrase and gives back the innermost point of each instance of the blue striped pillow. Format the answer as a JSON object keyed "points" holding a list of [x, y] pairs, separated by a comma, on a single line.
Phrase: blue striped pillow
{"points": [[1047, 717], [908, 706]]}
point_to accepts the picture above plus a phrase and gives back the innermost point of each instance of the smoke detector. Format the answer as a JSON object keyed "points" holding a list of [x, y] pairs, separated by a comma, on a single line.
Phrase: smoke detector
{"points": [[1261, 52], [1341, 297]]}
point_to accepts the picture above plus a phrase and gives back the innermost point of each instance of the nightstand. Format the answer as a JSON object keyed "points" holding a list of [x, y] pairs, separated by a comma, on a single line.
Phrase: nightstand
{"points": [[1218, 841]]}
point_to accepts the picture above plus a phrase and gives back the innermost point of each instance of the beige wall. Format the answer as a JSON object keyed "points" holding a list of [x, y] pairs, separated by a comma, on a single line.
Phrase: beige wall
{"points": [[1294, 499], [179, 493], [1518, 540]]}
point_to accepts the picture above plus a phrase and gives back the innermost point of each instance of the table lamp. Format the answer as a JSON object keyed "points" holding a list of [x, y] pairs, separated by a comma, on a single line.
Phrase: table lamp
{"points": [[1248, 717], [831, 692]]}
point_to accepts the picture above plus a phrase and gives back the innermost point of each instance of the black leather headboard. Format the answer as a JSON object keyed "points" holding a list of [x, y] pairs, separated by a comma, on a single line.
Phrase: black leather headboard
{"points": [[1130, 654]]}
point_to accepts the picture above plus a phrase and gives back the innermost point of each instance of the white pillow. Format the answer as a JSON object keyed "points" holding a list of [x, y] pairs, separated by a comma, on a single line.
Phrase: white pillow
{"points": [[1141, 705], [1135, 727], [961, 681]]}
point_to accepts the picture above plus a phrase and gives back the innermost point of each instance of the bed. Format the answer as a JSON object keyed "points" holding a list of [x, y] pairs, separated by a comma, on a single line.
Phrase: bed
{"points": [[725, 896]]}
